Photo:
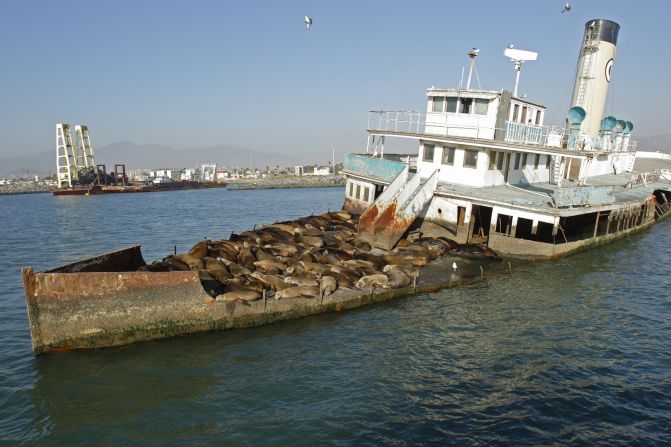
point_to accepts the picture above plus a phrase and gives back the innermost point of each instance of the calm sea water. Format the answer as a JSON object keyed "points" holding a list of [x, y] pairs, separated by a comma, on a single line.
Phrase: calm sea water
{"points": [[570, 352]]}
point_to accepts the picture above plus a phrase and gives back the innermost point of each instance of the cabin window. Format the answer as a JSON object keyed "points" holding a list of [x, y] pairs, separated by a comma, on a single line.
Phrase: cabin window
{"points": [[358, 191], [537, 161], [351, 189], [448, 155], [481, 106], [470, 158], [437, 104], [517, 160], [523, 119], [524, 160], [547, 162], [499, 161], [466, 105], [428, 153], [538, 117], [365, 194], [492, 160], [451, 104], [516, 112]]}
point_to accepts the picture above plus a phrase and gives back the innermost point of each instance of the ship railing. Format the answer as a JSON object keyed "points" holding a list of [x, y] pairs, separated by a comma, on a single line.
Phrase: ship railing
{"points": [[527, 134], [643, 178]]}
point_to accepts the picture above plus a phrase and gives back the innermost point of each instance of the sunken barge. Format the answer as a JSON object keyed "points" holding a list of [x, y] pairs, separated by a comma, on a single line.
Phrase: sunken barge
{"points": [[282, 271]]}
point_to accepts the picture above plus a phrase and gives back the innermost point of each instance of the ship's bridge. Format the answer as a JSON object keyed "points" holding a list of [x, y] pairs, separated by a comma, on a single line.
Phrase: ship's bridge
{"points": [[493, 118]]}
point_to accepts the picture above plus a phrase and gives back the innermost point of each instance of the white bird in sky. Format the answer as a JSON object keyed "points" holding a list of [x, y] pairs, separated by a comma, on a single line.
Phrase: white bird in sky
{"points": [[567, 8], [454, 266], [308, 22]]}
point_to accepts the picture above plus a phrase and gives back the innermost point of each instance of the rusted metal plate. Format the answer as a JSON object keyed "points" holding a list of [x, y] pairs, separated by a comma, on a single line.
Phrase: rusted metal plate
{"points": [[124, 260], [584, 195]]}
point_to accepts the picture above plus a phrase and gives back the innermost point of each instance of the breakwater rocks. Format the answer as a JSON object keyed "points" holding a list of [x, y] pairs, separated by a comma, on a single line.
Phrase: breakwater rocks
{"points": [[310, 257], [25, 188], [317, 181]]}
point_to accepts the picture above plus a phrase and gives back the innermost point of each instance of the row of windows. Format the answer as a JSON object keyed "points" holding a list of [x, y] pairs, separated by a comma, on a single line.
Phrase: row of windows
{"points": [[521, 160], [470, 156], [496, 159], [525, 115], [453, 104], [358, 190]]}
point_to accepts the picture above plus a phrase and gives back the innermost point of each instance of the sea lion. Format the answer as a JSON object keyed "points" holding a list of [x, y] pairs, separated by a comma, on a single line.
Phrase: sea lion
{"points": [[361, 245], [262, 255], [341, 280], [193, 263], [397, 278], [235, 269], [479, 251], [410, 270], [270, 267], [272, 281], [199, 250], [311, 241], [246, 258], [217, 269], [372, 281], [301, 281], [239, 295], [358, 263], [403, 243], [306, 257], [327, 286], [298, 292]]}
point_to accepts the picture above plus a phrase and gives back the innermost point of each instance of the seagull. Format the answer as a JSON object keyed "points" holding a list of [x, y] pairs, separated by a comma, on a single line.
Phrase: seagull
{"points": [[567, 8], [308, 22], [454, 266], [511, 46]]}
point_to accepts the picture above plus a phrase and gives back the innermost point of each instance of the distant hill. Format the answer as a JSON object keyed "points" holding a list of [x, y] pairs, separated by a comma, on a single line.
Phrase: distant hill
{"points": [[150, 156], [654, 143]]}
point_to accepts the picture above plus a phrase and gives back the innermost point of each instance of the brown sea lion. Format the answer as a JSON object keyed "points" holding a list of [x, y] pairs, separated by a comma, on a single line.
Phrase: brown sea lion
{"points": [[372, 281], [199, 250], [192, 262], [270, 267], [327, 286], [301, 281], [311, 241], [298, 292], [397, 278], [217, 269], [239, 295], [357, 263], [272, 281]]}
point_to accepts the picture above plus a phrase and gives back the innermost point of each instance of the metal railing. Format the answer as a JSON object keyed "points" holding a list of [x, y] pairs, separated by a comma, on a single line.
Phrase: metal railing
{"points": [[526, 134]]}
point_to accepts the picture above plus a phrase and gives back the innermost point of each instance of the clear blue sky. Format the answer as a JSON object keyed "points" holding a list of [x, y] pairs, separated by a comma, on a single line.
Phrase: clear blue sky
{"points": [[203, 73]]}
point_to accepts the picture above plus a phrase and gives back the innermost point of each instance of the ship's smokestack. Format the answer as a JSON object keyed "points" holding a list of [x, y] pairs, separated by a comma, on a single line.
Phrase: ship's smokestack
{"points": [[597, 54]]}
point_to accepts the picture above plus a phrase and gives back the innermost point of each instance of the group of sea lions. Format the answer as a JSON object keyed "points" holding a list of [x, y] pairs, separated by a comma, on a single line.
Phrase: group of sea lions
{"points": [[306, 258]]}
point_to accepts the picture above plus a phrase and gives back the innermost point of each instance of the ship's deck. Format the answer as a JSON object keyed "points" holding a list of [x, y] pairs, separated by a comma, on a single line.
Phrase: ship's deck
{"points": [[540, 196]]}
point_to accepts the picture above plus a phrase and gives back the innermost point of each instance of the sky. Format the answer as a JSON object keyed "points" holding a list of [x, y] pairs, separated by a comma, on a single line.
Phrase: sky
{"points": [[247, 73]]}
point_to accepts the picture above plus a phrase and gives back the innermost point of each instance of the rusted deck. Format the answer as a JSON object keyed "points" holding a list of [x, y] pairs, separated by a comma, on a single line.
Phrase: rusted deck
{"points": [[89, 309]]}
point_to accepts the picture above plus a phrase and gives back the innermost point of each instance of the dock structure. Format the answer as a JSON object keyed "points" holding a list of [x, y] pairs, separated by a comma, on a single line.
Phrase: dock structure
{"points": [[489, 170]]}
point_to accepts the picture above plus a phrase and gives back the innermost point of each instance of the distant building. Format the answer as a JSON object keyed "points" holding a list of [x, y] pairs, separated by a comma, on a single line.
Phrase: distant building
{"points": [[321, 170], [298, 170], [187, 174]]}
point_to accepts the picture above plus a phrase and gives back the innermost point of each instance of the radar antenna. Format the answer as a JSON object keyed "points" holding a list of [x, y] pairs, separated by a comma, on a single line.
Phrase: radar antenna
{"points": [[518, 58]]}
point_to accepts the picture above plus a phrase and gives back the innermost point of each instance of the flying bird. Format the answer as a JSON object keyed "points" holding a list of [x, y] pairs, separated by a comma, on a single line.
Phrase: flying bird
{"points": [[567, 8], [308, 22]]}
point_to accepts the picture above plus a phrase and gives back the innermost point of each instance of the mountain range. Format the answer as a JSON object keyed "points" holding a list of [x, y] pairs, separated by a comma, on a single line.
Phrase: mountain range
{"points": [[136, 156]]}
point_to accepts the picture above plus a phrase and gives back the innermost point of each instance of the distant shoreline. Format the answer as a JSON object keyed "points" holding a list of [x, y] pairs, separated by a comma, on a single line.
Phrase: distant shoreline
{"points": [[329, 181], [14, 189]]}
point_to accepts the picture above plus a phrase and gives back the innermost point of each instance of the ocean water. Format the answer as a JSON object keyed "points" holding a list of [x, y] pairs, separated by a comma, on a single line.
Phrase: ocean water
{"points": [[570, 352]]}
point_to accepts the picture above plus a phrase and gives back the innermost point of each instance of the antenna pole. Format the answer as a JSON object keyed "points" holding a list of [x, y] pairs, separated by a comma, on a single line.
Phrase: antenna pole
{"points": [[518, 69], [472, 54]]}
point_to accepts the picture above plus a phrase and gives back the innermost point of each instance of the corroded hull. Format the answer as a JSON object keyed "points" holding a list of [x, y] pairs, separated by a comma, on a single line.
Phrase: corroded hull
{"points": [[77, 306]]}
